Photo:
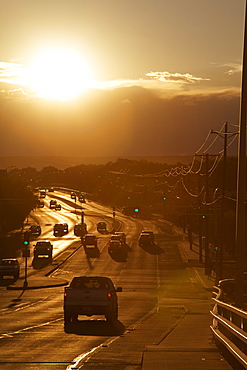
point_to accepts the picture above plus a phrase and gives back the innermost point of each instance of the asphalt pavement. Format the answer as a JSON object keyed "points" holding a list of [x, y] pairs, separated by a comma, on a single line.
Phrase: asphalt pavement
{"points": [[188, 344]]}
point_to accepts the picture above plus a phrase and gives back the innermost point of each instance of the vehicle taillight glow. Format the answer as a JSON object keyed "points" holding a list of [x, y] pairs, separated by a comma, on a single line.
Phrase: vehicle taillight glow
{"points": [[65, 294], [109, 295]]}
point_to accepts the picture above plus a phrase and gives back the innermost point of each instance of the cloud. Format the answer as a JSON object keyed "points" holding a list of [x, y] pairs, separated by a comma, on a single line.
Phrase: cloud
{"points": [[165, 83], [180, 78], [234, 68], [15, 93], [13, 73], [231, 68]]}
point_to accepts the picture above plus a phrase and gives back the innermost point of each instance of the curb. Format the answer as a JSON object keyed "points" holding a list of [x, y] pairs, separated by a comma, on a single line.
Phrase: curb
{"points": [[38, 286]]}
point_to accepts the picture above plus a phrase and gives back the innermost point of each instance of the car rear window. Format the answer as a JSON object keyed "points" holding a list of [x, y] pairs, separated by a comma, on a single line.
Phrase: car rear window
{"points": [[90, 283], [8, 262]]}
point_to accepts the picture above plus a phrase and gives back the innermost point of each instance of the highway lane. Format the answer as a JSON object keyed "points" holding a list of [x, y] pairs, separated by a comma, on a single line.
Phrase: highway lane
{"points": [[32, 329], [31, 325]]}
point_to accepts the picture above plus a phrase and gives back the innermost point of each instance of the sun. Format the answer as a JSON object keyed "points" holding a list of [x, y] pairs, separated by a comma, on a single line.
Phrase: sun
{"points": [[59, 73]]}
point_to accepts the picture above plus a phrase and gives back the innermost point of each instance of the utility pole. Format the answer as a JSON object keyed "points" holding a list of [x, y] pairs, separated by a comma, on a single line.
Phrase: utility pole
{"points": [[207, 219], [220, 241], [240, 205]]}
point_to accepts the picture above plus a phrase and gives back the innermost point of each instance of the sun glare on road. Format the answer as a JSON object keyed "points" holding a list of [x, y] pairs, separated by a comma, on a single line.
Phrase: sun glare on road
{"points": [[59, 74]]}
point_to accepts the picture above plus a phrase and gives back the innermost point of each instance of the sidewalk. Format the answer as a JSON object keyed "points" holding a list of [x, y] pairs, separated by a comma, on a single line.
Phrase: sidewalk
{"points": [[189, 344]]}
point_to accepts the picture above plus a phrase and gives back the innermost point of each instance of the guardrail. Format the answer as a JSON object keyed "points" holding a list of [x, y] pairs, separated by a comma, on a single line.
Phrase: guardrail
{"points": [[230, 328]]}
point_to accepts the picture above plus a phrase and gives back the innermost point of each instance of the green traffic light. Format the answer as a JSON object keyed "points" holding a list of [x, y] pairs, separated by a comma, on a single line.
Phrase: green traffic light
{"points": [[26, 242]]}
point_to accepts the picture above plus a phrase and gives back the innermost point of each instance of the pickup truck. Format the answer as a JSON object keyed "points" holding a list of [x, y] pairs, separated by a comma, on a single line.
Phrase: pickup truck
{"points": [[9, 267], [90, 295]]}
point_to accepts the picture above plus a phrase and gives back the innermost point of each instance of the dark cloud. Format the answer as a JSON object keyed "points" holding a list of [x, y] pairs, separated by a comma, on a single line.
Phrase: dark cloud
{"points": [[123, 122]]}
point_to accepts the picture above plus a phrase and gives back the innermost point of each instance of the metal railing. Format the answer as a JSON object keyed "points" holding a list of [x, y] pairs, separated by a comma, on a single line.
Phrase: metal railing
{"points": [[230, 327]]}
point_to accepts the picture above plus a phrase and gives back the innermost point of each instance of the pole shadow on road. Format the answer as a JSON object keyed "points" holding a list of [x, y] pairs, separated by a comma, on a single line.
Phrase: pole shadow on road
{"points": [[95, 327], [7, 281], [152, 249]]}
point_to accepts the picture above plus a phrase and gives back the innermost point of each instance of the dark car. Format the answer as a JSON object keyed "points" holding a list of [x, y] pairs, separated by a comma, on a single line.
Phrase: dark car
{"points": [[60, 229], [43, 251], [53, 203], [9, 267], [150, 233], [35, 230], [44, 244], [101, 226], [145, 240], [73, 195], [121, 235], [117, 238], [80, 229], [90, 239], [42, 194], [41, 203], [81, 198], [117, 248], [58, 207]]}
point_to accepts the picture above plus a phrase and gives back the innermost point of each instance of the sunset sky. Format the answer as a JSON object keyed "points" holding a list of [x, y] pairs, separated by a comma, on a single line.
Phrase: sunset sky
{"points": [[117, 77]]}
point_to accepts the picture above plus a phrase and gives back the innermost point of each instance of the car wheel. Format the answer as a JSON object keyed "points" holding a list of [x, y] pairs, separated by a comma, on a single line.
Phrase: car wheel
{"points": [[74, 318], [67, 317], [112, 316]]}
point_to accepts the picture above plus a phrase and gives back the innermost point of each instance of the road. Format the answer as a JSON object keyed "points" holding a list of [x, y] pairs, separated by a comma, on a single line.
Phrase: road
{"points": [[32, 334]]}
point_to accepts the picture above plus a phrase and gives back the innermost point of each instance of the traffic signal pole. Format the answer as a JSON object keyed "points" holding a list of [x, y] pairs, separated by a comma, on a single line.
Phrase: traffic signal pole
{"points": [[114, 218], [26, 254]]}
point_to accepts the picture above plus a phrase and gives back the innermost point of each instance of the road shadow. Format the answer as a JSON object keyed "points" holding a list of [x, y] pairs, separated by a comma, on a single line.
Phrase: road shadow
{"points": [[95, 327], [7, 281], [122, 255], [40, 263], [104, 232], [92, 252], [152, 249]]}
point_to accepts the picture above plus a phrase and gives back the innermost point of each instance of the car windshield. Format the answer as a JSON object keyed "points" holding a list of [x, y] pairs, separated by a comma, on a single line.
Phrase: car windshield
{"points": [[8, 262], [90, 238], [90, 283]]}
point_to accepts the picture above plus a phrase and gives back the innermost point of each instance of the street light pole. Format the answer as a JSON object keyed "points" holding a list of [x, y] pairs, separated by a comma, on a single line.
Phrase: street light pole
{"points": [[241, 178]]}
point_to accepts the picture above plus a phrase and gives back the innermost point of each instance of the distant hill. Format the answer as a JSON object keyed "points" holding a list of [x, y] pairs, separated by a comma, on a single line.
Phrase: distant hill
{"points": [[65, 162]]}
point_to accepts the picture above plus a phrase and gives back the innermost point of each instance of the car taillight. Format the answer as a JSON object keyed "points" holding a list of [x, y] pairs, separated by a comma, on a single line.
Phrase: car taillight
{"points": [[65, 294], [109, 295]]}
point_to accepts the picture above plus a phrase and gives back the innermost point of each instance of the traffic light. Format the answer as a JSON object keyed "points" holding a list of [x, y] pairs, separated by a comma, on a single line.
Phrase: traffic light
{"points": [[136, 210], [203, 217], [81, 198], [216, 248], [114, 211], [26, 238]]}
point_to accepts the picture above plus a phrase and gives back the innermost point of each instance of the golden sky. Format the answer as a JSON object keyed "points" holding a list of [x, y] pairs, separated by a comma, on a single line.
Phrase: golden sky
{"points": [[135, 77]]}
